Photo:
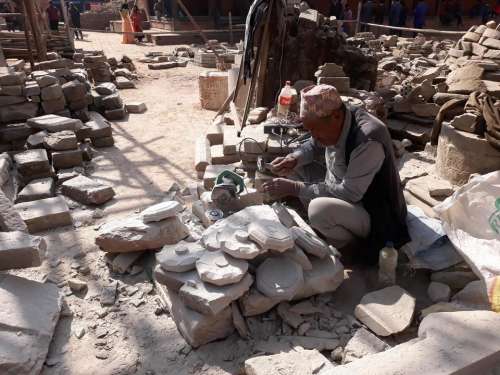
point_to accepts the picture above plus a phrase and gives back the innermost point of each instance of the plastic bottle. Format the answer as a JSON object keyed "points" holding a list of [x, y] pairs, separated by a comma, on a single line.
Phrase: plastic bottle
{"points": [[285, 100], [387, 263]]}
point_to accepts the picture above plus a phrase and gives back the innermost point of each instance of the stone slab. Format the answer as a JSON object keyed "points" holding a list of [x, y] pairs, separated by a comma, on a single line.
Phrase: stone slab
{"points": [[181, 257], [271, 235], [87, 191], [14, 132], [325, 276], [363, 343], [218, 268], [44, 214], [161, 211], [136, 107], [255, 303], [211, 299], [279, 278], [37, 189], [10, 220], [31, 162], [386, 311], [27, 327], [132, 234], [61, 141], [174, 280], [20, 250], [54, 123], [310, 243], [18, 112]]}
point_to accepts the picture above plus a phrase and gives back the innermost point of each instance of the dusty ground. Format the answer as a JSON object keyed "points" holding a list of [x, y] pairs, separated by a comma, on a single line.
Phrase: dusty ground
{"points": [[152, 151]]}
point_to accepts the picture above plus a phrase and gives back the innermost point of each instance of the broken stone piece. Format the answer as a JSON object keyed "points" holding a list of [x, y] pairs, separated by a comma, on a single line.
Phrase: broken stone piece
{"points": [[67, 159], [255, 303], [386, 311], [136, 107], [108, 294], [325, 276], [20, 250], [311, 244], [210, 299], [438, 292], [87, 191], [302, 362], [466, 122], [61, 141], [291, 318], [270, 235], [54, 123], [240, 247], [77, 285], [239, 321], [31, 162], [174, 280], [161, 211], [132, 234], [363, 343], [36, 189], [280, 278], [122, 262], [27, 327], [181, 257], [221, 269]]}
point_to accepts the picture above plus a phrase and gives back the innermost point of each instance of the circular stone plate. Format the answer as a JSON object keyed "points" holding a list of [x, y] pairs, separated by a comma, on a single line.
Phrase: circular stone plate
{"points": [[218, 268], [280, 278], [271, 235]]}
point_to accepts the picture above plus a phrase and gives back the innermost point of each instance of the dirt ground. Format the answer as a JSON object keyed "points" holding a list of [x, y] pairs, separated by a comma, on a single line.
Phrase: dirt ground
{"points": [[152, 150]]}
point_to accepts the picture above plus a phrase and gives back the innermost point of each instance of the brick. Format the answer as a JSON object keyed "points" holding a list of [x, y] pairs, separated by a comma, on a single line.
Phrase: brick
{"points": [[106, 88], [87, 191], [44, 214], [52, 92], [124, 83], [36, 140], [491, 43], [54, 106], [113, 101], [103, 142], [74, 91], [231, 141], [202, 156], [36, 189], [11, 100], [115, 114], [14, 132], [136, 107], [54, 123], [20, 250], [18, 112], [61, 141], [218, 157]]}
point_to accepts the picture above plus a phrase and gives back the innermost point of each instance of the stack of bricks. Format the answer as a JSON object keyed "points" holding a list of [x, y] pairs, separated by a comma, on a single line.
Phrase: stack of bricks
{"points": [[14, 105], [107, 100], [98, 67], [480, 42], [333, 74]]}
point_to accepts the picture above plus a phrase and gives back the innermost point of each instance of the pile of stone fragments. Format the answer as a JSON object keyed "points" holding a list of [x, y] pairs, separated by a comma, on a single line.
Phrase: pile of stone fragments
{"points": [[179, 58]]}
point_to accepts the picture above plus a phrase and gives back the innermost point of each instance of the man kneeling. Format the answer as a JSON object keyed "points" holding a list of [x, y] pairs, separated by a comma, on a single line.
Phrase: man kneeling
{"points": [[345, 174]]}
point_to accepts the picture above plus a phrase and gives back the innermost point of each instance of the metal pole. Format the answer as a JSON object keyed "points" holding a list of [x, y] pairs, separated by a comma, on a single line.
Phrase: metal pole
{"points": [[358, 18]]}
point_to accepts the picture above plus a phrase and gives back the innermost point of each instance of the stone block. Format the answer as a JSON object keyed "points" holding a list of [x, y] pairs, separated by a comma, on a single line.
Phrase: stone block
{"points": [[113, 101], [20, 250], [491, 43], [54, 123], [342, 84], [215, 133], [52, 92], [14, 132], [36, 140], [54, 106], [78, 105], [31, 162], [198, 329], [465, 122], [106, 88], [124, 83], [11, 100], [326, 276], [44, 214], [471, 37], [31, 89], [386, 311], [16, 90], [61, 141], [99, 126], [74, 91], [231, 141], [217, 156], [115, 114], [363, 343], [67, 159], [256, 139], [132, 234], [492, 54], [11, 78], [18, 112], [181, 257], [103, 142], [27, 327], [37, 189], [136, 107], [279, 278], [296, 362], [202, 157], [161, 211], [218, 268], [211, 300], [87, 191], [46, 80]]}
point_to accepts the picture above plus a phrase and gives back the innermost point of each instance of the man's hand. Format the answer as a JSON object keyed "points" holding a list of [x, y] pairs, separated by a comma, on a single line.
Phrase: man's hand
{"points": [[282, 187], [283, 166]]}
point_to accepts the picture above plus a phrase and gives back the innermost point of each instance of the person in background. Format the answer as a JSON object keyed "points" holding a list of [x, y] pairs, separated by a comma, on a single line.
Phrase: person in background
{"points": [[136, 18], [402, 16], [380, 12], [496, 9], [444, 13], [158, 8], [53, 15], [366, 14], [74, 13], [336, 10], [420, 14], [348, 17], [128, 37], [485, 13], [458, 12], [395, 13]]}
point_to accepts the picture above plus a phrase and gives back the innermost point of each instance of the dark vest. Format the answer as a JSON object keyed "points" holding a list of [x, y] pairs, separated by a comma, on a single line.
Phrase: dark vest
{"points": [[384, 199]]}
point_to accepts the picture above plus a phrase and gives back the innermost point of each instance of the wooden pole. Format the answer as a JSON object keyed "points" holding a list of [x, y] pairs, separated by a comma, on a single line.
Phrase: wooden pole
{"points": [[28, 38], [66, 24], [358, 17], [3, 62], [41, 47], [230, 28]]}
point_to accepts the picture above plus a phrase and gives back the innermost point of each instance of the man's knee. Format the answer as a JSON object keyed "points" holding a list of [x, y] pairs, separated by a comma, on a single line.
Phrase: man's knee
{"points": [[319, 212]]}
